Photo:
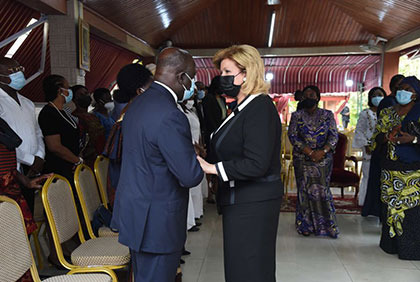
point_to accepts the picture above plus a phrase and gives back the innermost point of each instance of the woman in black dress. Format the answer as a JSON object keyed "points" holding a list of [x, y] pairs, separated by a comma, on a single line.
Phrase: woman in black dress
{"points": [[246, 148], [60, 130]]}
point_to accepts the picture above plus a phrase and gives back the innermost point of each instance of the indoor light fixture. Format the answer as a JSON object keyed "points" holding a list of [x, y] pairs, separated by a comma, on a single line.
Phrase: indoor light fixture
{"points": [[270, 37], [269, 76]]}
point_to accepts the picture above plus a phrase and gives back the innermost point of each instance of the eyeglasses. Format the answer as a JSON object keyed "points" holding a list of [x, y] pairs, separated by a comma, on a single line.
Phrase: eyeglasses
{"points": [[16, 69]]}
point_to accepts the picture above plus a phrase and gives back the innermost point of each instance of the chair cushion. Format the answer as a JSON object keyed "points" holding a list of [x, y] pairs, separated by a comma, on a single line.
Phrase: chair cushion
{"points": [[344, 177], [101, 251], [106, 232], [80, 278]]}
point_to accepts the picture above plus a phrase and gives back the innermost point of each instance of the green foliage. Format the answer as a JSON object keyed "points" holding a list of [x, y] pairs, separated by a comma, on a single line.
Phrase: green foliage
{"points": [[409, 67]]}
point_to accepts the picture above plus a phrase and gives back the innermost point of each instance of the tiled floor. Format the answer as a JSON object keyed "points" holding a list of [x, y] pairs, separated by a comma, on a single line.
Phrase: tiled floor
{"points": [[353, 257]]}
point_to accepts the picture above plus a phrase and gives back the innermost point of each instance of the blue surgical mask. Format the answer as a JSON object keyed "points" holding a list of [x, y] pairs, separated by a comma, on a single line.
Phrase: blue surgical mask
{"points": [[188, 92], [68, 97], [403, 97], [201, 94], [17, 80], [376, 100]]}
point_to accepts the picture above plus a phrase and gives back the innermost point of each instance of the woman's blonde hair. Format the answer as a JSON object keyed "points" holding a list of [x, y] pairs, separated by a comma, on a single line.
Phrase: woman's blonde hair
{"points": [[248, 59]]}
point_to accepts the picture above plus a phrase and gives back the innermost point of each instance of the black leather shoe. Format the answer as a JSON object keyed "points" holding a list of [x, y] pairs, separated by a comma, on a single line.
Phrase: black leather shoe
{"points": [[194, 229], [186, 253], [181, 261]]}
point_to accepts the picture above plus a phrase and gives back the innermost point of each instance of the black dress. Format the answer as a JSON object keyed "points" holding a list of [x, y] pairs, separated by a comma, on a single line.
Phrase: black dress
{"points": [[52, 123], [247, 150]]}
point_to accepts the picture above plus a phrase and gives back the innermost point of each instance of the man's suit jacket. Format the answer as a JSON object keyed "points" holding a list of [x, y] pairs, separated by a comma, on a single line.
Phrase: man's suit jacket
{"points": [[158, 166]]}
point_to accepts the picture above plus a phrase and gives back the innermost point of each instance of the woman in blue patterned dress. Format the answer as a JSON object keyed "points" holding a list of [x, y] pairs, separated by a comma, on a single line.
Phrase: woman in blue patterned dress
{"points": [[313, 134]]}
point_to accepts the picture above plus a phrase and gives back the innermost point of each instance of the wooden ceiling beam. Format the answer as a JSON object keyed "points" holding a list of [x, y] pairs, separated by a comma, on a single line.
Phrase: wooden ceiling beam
{"points": [[298, 51], [405, 41], [111, 32], [50, 7]]}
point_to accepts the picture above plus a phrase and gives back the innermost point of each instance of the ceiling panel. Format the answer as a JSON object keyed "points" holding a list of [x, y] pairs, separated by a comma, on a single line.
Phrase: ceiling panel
{"points": [[386, 18], [299, 23]]}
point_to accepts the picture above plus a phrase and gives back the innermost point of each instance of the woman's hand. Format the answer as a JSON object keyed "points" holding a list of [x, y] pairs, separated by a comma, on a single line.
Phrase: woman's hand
{"points": [[404, 138], [317, 155], [207, 168], [37, 183], [392, 136]]}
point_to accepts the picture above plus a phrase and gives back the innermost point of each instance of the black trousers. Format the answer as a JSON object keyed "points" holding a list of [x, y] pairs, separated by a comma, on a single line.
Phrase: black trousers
{"points": [[249, 235]]}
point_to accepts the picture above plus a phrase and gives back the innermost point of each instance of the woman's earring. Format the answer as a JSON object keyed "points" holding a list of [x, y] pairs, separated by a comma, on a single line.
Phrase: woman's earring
{"points": [[244, 79]]}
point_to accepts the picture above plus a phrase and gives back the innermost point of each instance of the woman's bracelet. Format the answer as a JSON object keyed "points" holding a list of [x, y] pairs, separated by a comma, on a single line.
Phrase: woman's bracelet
{"points": [[79, 162]]}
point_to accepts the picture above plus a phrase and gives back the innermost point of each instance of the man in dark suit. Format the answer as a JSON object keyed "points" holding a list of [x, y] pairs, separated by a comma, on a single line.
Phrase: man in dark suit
{"points": [[158, 166]]}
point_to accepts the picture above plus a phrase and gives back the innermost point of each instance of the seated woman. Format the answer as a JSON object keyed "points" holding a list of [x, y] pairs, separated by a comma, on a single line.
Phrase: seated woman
{"points": [[364, 131], [89, 124], [313, 134], [400, 185]]}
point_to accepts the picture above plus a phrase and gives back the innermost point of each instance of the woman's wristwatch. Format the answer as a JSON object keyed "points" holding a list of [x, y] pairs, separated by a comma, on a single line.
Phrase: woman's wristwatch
{"points": [[79, 162]]}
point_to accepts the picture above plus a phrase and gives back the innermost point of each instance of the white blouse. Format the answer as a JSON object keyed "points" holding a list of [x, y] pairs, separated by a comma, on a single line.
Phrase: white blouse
{"points": [[364, 130]]}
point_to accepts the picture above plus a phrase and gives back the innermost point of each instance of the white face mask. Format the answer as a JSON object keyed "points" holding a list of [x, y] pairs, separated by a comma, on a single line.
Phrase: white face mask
{"points": [[109, 106]]}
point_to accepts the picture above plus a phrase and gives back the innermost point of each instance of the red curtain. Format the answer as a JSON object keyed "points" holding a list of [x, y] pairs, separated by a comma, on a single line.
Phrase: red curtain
{"points": [[14, 17], [106, 60]]}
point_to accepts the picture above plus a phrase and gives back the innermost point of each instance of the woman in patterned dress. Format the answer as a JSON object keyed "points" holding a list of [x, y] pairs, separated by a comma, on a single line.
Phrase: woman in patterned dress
{"points": [[400, 176], [313, 134]]}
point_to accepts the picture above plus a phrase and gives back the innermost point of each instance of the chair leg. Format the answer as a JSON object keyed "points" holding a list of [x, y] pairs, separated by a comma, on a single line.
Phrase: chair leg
{"points": [[35, 235], [357, 191], [342, 192]]}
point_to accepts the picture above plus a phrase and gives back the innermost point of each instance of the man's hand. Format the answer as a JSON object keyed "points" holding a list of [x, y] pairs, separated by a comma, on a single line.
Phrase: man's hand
{"points": [[36, 167], [199, 150]]}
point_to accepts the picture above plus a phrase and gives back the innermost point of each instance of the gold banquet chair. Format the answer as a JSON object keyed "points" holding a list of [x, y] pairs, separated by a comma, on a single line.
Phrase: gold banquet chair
{"points": [[64, 222], [16, 256], [87, 190], [101, 174]]}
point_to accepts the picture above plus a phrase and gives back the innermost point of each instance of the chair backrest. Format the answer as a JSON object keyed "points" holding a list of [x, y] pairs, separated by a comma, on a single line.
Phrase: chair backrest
{"points": [[287, 146], [340, 152], [101, 174], [87, 190], [59, 204], [15, 253]]}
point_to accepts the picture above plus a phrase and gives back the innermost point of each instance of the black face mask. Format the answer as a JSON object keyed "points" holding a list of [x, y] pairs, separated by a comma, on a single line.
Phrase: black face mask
{"points": [[308, 103], [84, 101], [227, 87]]}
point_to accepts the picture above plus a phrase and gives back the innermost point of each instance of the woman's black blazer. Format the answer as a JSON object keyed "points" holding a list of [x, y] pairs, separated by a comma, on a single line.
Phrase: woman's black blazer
{"points": [[247, 149]]}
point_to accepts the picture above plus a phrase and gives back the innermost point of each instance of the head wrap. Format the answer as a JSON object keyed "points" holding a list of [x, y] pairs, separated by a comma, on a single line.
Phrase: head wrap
{"points": [[413, 82]]}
